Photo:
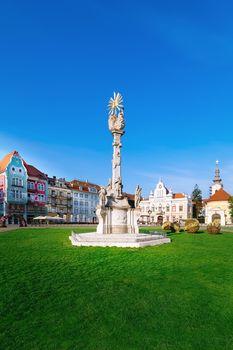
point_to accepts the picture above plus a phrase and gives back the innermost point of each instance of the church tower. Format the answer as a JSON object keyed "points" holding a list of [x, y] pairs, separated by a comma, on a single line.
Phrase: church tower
{"points": [[217, 181]]}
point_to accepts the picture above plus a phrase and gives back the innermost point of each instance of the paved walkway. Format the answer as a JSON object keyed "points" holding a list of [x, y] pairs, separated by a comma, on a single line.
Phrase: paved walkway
{"points": [[9, 228]]}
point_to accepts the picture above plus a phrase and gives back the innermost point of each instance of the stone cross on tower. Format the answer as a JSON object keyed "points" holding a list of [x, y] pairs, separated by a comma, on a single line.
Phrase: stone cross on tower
{"points": [[116, 124]]}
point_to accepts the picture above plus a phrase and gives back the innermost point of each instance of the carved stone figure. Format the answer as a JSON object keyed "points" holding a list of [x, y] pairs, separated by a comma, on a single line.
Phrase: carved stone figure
{"points": [[117, 159], [111, 122], [102, 196], [137, 197], [118, 187]]}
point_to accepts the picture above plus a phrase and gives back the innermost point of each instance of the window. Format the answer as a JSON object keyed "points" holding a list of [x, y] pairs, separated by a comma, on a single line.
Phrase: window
{"points": [[31, 185], [81, 195], [17, 194], [40, 187], [86, 195], [41, 197], [17, 182], [93, 189], [173, 208], [180, 207], [167, 207]]}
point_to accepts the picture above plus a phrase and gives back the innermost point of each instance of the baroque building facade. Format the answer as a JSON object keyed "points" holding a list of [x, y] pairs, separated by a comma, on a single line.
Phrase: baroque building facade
{"points": [[164, 205], [217, 205]]}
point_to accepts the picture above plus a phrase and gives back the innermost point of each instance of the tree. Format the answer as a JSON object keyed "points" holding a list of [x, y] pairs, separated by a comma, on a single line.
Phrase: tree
{"points": [[197, 201], [231, 207]]}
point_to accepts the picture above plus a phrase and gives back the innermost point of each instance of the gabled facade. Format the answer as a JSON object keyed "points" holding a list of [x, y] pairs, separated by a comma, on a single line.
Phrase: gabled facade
{"points": [[37, 192], [13, 187], [15, 175], [164, 205]]}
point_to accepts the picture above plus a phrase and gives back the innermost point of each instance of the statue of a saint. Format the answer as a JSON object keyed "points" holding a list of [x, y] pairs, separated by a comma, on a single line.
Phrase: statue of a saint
{"points": [[117, 159], [118, 187], [137, 197], [102, 196], [109, 187]]}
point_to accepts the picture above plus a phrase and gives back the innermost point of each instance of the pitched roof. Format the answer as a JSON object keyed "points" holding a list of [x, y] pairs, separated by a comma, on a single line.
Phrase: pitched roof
{"points": [[220, 195], [6, 160], [34, 172], [178, 195], [82, 186]]}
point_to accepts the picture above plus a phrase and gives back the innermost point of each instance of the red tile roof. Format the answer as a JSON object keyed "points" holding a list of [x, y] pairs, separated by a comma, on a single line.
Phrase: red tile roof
{"points": [[178, 195], [6, 160], [34, 172], [77, 184], [129, 196], [220, 195]]}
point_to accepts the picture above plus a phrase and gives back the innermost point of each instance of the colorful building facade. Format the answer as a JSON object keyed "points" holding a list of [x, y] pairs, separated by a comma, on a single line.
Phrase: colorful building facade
{"points": [[15, 200], [37, 192]]}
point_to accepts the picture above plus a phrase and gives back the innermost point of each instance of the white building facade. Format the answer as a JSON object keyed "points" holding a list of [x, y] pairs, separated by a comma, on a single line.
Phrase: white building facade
{"points": [[164, 205], [85, 199]]}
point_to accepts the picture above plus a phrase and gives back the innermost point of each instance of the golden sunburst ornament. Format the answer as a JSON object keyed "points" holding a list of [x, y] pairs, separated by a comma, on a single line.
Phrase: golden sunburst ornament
{"points": [[115, 103]]}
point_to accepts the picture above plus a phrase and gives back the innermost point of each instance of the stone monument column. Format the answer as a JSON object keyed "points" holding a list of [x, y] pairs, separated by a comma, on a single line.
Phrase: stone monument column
{"points": [[118, 217], [114, 211]]}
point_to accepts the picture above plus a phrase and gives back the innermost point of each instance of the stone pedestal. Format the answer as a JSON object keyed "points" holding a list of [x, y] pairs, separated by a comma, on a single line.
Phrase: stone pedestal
{"points": [[117, 217], [117, 240]]}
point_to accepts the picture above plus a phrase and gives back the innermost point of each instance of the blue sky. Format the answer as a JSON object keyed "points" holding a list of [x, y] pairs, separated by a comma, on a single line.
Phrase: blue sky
{"points": [[60, 62]]}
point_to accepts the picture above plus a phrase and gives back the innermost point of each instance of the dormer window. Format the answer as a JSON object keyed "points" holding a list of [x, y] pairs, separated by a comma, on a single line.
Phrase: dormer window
{"points": [[93, 189]]}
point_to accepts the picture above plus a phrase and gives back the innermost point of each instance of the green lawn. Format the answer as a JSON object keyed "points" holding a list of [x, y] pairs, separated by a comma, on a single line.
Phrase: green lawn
{"points": [[55, 296]]}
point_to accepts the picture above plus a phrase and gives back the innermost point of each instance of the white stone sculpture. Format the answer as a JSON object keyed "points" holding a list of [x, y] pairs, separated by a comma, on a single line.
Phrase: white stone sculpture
{"points": [[118, 220], [137, 197], [102, 196]]}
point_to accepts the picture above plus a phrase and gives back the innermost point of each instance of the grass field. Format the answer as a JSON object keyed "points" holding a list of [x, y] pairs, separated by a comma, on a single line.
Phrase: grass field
{"points": [[55, 296]]}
